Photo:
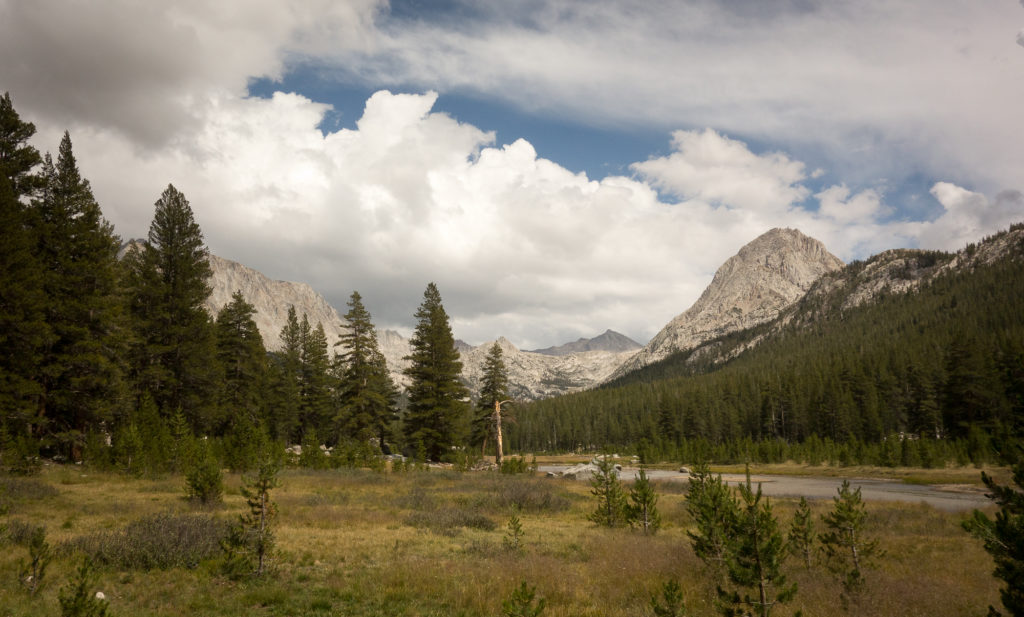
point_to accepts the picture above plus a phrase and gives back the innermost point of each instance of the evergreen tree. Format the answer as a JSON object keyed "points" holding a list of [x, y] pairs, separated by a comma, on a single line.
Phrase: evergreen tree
{"points": [[611, 499], [174, 357], [242, 358], [78, 598], [286, 374], [844, 543], [366, 390], [17, 157], [493, 394], [436, 408], [317, 385], [1003, 538], [252, 539], [643, 505], [756, 561], [24, 332], [715, 512], [80, 367], [23, 329], [801, 533]]}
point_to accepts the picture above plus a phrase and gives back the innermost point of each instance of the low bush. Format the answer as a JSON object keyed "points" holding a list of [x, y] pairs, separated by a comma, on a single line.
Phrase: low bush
{"points": [[449, 520], [160, 541], [529, 495]]}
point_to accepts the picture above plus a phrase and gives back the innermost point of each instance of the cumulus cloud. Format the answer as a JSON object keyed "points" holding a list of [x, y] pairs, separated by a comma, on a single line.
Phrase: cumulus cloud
{"points": [[836, 203], [708, 166], [968, 216], [146, 68]]}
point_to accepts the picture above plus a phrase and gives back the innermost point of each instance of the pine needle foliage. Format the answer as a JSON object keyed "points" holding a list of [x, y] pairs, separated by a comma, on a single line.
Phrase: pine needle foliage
{"points": [[31, 573], [252, 540], [520, 602], [671, 602], [802, 536], [755, 562], [1003, 538], [642, 512], [78, 598], [611, 498], [715, 513], [844, 543]]}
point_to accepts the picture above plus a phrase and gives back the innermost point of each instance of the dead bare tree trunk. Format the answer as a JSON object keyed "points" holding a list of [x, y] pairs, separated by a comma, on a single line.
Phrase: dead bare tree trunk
{"points": [[498, 454]]}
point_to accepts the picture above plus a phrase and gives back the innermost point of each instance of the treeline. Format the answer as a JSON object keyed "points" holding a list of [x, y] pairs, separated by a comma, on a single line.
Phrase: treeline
{"points": [[113, 357], [922, 377]]}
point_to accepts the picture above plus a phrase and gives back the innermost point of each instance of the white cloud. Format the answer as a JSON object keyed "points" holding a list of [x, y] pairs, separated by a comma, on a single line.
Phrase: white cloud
{"points": [[710, 167], [836, 203], [967, 216]]}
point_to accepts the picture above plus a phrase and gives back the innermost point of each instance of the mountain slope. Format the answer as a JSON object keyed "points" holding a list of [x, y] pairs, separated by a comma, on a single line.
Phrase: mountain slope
{"points": [[609, 341], [271, 299], [918, 342], [766, 276]]}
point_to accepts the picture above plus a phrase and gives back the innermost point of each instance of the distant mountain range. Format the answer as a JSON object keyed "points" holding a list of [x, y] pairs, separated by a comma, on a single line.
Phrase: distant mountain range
{"points": [[762, 283]]}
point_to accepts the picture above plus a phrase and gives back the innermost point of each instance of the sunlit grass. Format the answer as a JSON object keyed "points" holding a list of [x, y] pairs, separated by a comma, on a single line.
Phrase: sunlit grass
{"points": [[364, 543]]}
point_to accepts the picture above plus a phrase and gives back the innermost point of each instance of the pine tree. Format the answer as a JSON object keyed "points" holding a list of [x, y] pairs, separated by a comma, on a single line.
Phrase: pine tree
{"points": [[23, 330], [436, 408], [801, 533], [286, 370], [611, 499], [81, 371], [366, 390], [643, 505], [252, 539], [845, 546], [756, 560], [77, 598], [493, 395], [317, 384], [1003, 538], [17, 157], [242, 359], [174, 358], [715, 512]]}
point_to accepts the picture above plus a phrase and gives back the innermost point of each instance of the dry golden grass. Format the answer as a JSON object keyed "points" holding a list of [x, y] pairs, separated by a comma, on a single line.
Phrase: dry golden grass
{"points": [[346, 545]]}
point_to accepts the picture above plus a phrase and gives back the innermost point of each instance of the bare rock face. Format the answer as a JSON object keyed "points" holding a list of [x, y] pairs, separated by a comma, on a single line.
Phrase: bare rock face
{"points": [[535, 375], [752, 287], [609, 341], [271, 299]]}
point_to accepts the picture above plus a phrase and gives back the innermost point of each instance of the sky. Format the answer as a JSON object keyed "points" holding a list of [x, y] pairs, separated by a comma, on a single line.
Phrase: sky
{"points": [[557, 168]]}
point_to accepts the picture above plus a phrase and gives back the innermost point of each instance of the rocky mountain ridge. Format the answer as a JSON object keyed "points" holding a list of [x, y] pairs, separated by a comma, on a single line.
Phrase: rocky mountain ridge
{"points": [[765, 277], [531, 375], [610, 341]]}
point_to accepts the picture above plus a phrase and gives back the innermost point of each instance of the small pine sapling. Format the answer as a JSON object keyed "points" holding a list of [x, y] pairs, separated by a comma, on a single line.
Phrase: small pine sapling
{"points": [[672, 596], [643, 505], [611, 499], [756, 561], [801, 533], [846, 549], [520, 602], [251, 540], [31, 573], [715, 512], [204, 477], [1004, 538], [514, 535], [77, 598]]}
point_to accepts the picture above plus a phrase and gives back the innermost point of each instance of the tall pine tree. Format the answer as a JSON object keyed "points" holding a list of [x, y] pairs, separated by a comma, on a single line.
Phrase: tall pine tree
{"points": [[436, 413], [81, 371], [286, 372], [23, 329], [243, 361], [174, 355], [317, 384], [366, 391], [493, 393]]}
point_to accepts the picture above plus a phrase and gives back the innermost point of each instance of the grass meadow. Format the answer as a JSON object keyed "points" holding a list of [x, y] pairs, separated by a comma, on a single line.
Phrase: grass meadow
{"points": [[355, 542]]}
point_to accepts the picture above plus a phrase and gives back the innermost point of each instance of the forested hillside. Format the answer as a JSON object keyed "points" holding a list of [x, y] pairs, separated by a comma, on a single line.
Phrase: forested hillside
{"points": [[932, 373]]}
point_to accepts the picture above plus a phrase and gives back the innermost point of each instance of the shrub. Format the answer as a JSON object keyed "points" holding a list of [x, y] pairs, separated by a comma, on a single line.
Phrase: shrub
{"points": [[204, 478], [528, 495], [77, 598], [156, 542], [449, 520]]}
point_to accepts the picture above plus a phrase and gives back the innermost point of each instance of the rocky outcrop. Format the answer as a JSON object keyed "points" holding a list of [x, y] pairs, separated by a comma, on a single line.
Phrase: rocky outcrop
{"points": [[753, 287], [534, 375], [609, 341], [271, 299]]}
